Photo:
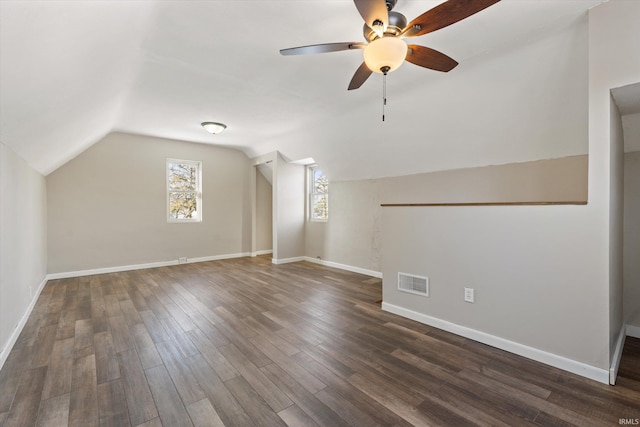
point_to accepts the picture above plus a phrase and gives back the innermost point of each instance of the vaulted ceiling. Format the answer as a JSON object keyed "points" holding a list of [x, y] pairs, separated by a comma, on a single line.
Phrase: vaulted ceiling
{"points": [[73, 71]]}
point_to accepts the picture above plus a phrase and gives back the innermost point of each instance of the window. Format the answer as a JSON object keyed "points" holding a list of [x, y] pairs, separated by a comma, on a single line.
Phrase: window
{"points": [[318, 195], [184, 191]]}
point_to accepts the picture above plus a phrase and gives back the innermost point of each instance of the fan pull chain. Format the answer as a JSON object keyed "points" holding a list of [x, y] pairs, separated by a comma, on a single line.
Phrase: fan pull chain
{"points": [[384, 70], [384, 93]]}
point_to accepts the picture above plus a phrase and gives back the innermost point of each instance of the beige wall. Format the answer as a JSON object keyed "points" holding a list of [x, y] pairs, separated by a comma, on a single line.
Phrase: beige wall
{"points": [[289, 219], [632, 239], [552, 180], [23, 246], [264, 216], [351, 236], [107, 207]]}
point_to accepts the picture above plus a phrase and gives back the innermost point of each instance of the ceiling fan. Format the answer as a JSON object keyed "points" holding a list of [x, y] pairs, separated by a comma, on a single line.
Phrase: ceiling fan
{"points": [[385, 30]]}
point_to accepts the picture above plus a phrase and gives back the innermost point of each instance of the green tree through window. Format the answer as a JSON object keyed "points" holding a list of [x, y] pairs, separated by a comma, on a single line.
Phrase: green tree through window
{"points": [[184, 190], [318, 196]]}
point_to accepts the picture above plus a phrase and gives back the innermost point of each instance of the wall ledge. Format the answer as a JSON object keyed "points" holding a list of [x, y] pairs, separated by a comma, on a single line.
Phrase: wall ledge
{"points": [[390, 205], [570, 365]]}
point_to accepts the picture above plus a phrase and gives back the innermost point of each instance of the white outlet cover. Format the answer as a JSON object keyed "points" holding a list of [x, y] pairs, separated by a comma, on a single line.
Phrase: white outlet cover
{"points": [[468, 294]]}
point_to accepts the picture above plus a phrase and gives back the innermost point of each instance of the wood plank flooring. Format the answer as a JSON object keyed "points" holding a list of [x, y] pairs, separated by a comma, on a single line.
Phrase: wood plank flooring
{"points": [[243, 342]]}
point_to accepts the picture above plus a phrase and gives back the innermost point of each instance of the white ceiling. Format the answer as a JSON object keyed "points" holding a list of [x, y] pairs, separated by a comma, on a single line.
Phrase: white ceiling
{"points": [[627, 98], [73, 71]]}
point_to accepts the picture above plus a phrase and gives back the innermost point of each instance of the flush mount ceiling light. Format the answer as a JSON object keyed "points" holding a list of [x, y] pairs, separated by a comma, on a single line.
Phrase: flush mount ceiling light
{"points": [[214, 127]]}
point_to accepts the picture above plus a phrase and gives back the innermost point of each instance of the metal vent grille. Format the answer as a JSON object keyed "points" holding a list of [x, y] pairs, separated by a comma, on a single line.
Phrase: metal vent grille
{"points": [[413, 284]]}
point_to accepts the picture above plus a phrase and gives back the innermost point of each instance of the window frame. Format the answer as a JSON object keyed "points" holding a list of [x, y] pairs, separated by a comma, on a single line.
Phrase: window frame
{"points": [[311, 193], [197, 192]]}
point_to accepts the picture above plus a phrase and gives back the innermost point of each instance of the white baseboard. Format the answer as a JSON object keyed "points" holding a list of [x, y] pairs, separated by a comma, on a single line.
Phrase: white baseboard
{"points": [[105, 270], [617, 355], [351, 268], [117, 269], [573, 366], [329, 264], [218, 257], [287, 260], [266, 252], [23, 321], [633, 331]]}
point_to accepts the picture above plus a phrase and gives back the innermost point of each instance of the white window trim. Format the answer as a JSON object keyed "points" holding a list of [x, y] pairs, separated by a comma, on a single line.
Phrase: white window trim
{"points": [[198, 164], [311, 193]]}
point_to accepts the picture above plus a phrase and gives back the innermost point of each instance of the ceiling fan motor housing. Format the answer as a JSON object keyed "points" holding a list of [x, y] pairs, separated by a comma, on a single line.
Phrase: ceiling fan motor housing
{"points": [[397, 22]]}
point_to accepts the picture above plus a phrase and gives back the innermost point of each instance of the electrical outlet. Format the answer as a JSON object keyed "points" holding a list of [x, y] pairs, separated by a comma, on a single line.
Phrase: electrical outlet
{"points": [[182, 260], [468, 294]]}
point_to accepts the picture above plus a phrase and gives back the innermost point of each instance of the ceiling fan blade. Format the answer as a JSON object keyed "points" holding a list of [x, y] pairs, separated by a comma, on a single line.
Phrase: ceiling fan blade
{"points": [[444, 15], [372, 11], [362, 74], [429, 58], [322, 48]]}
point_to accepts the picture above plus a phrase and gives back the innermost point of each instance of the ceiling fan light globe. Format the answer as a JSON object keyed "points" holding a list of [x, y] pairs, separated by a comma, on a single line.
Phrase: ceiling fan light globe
{"points": [[385, 52]]}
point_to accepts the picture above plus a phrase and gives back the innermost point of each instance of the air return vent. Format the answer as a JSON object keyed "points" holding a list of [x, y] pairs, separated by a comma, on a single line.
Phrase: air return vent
{"points": [[413, 284]]}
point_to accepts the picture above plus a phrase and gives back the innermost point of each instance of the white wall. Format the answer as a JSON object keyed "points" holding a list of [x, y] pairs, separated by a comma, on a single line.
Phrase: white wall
{"points": [[536, 271], [616, 212], [23, 246], [107, 207], [614, 40], [632, 239]]}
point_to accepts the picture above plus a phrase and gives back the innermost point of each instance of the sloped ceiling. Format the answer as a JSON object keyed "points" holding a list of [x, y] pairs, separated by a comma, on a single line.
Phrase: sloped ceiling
{"points": [[627, 99], [73, 71]]}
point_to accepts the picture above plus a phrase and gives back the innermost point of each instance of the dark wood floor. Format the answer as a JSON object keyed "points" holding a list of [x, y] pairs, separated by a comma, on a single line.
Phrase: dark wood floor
{"points": [[243, 342]]}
